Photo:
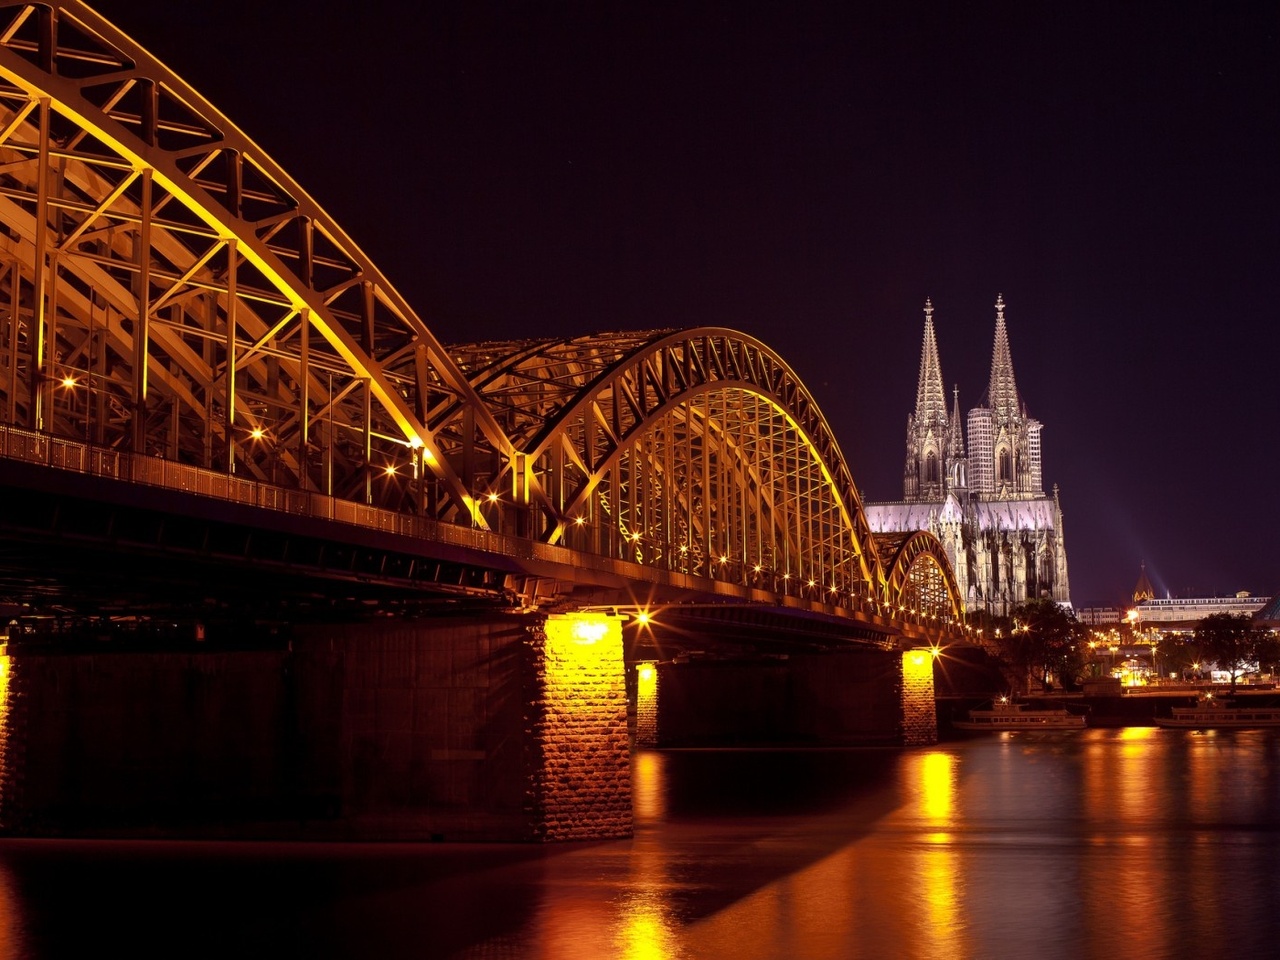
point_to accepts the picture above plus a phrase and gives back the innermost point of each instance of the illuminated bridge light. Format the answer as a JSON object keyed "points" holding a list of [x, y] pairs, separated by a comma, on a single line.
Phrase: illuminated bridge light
{"points": [[68, 381], [257, 433], [389, 469]]}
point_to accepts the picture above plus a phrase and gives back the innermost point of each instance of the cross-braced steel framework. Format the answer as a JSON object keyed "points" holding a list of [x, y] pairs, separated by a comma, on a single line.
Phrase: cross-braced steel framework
{"points": [[166, 290]]}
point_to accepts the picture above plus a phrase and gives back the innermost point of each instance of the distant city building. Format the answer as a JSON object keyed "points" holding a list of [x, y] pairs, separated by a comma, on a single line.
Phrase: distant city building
{"points": [[1099, 616], [1181, 614], [988, 507]]}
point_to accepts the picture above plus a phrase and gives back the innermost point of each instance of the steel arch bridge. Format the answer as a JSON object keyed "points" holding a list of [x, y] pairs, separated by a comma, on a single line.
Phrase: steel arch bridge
{"points": [[168, 291]]}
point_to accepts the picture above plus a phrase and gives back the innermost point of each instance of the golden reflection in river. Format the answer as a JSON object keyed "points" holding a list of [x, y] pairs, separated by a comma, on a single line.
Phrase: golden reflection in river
{"points": [[1125, 877], [936, 862], [643, 927], [645, 930], [907, 878], [648, 789]]}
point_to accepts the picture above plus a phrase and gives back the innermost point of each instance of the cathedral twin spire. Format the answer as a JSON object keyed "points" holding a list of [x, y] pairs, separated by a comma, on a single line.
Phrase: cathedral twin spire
{"points": [[1004, 443]]}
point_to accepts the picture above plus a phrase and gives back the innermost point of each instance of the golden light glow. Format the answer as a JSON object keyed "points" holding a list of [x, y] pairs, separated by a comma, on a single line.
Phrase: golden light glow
{"points": [[579, 520], [937, 787], [68, 381], [493, 498], [589, 631], [257, 433], [643, 617], [646, 932], [390, 469]]}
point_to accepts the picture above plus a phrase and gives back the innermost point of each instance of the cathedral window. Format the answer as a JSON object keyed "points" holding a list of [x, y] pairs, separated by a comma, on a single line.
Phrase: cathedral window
{"points": [[931, 467], [1005, 468]]}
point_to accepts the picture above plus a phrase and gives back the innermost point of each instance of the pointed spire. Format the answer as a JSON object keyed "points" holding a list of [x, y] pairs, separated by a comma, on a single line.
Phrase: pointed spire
{"points": [[1002, 392], [931, 398], [1143, 590], [955, 445]]}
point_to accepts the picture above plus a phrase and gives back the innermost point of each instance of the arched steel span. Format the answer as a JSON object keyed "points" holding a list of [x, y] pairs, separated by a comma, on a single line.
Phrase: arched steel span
{"points": [[178, 294], [699, 451], [168, 290], [918, 576]]}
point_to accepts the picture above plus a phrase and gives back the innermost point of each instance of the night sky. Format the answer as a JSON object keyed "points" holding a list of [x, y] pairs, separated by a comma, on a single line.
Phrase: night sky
{"points": [[809, 173]]}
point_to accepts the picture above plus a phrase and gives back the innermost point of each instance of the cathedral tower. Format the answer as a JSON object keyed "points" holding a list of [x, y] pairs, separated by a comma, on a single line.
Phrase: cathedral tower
{"points": [[934, 439], [1004, 443], [981, 496]]}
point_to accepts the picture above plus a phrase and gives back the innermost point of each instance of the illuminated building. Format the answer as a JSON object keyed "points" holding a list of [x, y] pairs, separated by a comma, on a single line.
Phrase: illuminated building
{"points": [[1002, 533], [1181, 614]]}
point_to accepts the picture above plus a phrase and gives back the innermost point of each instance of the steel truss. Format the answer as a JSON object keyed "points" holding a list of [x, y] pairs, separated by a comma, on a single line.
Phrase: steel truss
{"points": [[167, 290]]}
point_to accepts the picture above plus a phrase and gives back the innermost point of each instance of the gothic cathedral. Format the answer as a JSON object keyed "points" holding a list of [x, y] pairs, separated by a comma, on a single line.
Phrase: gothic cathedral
{"points": [[1002, 534]]}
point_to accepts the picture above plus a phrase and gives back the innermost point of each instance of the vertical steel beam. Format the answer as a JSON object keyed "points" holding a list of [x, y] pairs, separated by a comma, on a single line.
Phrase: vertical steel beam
{"points": [[36, 335], [15, 309], [142, 328], [229, 414]]}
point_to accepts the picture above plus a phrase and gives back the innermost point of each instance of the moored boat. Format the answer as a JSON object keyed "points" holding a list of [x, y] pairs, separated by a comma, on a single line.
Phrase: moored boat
{"points": [[1008, 715], [1210, 714]]}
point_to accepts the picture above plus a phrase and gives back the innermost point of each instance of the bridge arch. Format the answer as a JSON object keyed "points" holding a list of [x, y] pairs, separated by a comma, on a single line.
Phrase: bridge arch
{"points": [[699, 449], [919, 578], [174, 292]]}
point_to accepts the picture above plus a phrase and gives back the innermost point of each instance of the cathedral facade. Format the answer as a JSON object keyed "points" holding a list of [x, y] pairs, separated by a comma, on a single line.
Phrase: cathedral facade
{"points": [[977, 485]]}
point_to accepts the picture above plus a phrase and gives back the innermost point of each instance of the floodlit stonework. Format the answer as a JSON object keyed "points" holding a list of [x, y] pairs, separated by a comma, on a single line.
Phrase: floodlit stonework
{"points": [[987, 505]]}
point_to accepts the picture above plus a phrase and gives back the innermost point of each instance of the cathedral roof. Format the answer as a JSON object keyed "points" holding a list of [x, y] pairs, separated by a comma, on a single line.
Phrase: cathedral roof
{"points": [[1040, 513]]}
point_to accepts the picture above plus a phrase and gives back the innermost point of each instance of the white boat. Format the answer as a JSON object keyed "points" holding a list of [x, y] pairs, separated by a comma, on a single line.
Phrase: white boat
{"points": [[1211, 714], [1007, 715]]}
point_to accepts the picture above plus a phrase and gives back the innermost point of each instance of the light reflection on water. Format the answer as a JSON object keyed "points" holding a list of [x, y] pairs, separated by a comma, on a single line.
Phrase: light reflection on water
{"points": [[1108, 843]]}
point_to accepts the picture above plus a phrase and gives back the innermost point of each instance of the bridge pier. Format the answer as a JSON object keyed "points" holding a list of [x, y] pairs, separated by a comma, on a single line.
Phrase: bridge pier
{"points": [[505, 727], [852, 697]]}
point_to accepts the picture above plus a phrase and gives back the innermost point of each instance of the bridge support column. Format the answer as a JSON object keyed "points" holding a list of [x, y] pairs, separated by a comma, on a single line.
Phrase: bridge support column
{"points": [[646, 704], [919, 710], [578, 751]]}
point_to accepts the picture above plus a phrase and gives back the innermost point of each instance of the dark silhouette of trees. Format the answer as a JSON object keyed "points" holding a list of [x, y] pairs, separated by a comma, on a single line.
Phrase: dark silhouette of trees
{"points": [[1233, 641], [1045, 639]]}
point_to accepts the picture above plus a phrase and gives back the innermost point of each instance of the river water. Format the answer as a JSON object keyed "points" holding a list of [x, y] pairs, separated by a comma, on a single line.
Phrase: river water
{"points": [[1133, 843]]}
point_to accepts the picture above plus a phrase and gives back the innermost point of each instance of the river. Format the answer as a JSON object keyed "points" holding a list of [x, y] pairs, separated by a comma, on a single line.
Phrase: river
{"points": [[1136, 843]]}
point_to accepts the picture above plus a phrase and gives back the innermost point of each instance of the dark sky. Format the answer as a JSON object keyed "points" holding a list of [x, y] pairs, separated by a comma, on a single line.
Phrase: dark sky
{"points": [[808, 173]]}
